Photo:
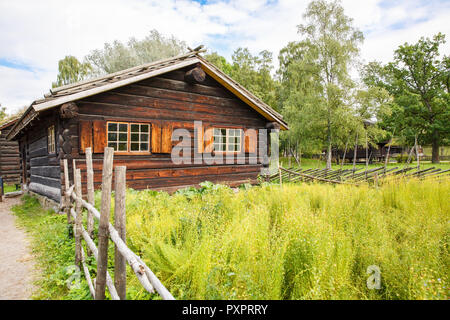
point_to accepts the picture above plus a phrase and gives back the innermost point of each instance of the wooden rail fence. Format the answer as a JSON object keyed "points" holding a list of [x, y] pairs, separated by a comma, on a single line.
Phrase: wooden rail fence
{"points": [[106, 231], [352, 176]]}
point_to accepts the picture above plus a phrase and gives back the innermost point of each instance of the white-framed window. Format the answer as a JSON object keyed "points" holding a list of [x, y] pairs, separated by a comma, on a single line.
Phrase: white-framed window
{"points": [[139, 137], [129, 137], [227, 140], [51, 143]]}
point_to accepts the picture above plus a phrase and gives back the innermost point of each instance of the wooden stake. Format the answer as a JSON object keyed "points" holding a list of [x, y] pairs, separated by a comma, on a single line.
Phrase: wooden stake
{"points": [[103, 233], [120, 271], [79, 218], [67, 202], [281, 179], [90, 193]]}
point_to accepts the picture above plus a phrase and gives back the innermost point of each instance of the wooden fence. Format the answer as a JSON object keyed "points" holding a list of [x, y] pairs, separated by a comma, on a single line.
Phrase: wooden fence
{"points": [[106, 231], [353, 176]]}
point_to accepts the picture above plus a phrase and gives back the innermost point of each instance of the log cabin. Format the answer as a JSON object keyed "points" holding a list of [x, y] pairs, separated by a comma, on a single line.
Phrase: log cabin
{"points": [[9, 156], [137, 112]]}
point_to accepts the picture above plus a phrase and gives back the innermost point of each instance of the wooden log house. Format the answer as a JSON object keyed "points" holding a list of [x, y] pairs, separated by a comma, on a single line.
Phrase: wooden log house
{"points": [[9, 156], [135, 111]]}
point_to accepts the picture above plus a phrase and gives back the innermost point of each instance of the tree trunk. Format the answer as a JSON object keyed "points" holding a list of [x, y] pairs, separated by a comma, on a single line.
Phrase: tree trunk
{"points": [[329, 145], [435, 147]]}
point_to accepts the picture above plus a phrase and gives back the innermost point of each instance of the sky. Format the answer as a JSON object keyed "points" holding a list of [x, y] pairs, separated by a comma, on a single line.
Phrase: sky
{"points": [[35, 35]]}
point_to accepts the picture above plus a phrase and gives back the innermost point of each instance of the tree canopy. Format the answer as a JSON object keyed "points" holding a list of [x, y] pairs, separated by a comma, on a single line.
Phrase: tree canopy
{"points": [[418, 79], [316, 84], [70, 70], [118, 56]]}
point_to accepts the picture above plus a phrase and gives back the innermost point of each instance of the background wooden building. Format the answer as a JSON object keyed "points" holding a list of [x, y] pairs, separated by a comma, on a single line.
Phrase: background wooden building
{"points": [[9, 156], [135, 111]]}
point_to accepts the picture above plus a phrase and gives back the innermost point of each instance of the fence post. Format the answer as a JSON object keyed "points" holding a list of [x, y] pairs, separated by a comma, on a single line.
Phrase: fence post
{"points": [[66, 186], [78, 219], [120, 263], [281, 180], [103, 233], [90, 193]]}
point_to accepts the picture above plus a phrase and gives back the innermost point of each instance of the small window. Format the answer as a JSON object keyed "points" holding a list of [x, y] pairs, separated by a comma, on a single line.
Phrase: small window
{"points": [[227, 140], [51, 145], [128, 137]]}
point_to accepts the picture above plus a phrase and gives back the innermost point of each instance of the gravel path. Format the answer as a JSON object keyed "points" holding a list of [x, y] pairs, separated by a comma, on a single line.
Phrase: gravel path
{"points": [[16, 261]]}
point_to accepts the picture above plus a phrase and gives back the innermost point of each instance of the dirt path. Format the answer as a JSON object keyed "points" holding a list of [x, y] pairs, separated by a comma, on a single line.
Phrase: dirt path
{"points": [[16, 261]]}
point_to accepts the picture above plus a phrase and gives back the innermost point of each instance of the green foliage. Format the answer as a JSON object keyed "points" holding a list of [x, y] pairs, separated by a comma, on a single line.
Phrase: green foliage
{"points": [[70, 70], [118, 56], [316, 86], [298, 242], [53, 250], [418, 79], [252, 72]]}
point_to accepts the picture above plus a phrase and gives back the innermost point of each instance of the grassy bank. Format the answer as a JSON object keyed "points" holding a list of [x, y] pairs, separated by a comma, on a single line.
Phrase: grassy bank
{"points": [[296, 242]]}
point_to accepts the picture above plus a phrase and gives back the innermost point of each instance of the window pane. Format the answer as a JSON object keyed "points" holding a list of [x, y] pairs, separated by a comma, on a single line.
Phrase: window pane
{"points": [[123, 127], [122, 147], [134, 128], [144, 146], [112, 136], [144, 137], [144, 127], [123, 137], [135, 147], [112, 126], [135, 137], [113, 145]]}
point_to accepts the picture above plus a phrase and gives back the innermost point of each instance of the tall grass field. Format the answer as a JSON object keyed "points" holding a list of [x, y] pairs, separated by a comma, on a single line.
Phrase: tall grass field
{"points": [[302, 241], [296, 241]]}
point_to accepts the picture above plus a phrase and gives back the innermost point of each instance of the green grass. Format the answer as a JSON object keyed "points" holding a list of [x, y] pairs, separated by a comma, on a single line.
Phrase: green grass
{"points": [[10, 188], [303, 241]]}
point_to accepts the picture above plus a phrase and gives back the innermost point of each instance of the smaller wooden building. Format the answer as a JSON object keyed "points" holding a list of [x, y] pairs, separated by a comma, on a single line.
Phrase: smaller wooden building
{"points": [[9, 156]]}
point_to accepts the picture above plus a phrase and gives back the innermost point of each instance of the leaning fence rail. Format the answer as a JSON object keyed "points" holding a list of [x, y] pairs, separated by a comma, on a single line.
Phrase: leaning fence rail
{"points": [[106, 231]]}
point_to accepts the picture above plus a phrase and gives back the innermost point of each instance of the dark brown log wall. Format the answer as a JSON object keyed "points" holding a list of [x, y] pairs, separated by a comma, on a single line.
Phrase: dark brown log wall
{"points": [[166, 100], [9, 159], [42, 170]]}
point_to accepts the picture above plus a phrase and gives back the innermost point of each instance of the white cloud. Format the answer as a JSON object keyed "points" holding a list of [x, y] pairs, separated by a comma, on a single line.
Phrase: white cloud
{"points": [[36, 34]]}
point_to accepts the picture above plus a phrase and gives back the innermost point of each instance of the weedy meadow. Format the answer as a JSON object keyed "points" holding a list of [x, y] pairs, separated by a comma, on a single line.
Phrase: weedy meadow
{"points": [[298, 241]]}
